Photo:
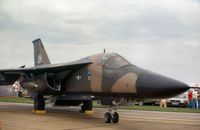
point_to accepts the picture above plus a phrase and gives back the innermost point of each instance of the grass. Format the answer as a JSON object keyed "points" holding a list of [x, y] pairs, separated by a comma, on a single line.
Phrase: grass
{"points": [[16, 100], [133, 107], [154, 108], [158, 108]]}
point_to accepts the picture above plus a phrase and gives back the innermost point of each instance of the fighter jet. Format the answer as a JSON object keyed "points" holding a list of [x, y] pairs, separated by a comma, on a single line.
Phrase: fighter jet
{"points": [[107, 77]]}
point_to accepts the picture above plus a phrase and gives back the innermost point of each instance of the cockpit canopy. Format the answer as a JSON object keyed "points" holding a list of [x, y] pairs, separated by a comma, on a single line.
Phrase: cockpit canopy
{"points": [[108, 60], [113, 61]]}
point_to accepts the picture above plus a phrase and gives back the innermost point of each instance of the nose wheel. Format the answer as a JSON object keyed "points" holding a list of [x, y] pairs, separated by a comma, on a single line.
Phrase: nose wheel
{"points": [[115, 118], [111, 116]]}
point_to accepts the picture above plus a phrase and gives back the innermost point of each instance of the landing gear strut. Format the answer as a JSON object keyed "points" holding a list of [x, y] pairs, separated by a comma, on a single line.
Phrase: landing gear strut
{"points": [[111, 116], [39, 103], [87, 106]]}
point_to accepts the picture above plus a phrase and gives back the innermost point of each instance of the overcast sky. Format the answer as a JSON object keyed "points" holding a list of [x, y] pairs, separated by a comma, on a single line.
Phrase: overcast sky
{"points": [[162, 36]]}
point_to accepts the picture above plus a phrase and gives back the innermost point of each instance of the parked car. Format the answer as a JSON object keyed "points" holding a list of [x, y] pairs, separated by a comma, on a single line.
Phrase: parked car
{"points": [[148, 102], [180, 100]]}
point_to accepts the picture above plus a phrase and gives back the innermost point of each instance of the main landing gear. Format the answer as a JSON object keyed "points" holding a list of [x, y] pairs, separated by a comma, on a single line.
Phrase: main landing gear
{"points": [[39, 104], [111, 115], [86, 107]]}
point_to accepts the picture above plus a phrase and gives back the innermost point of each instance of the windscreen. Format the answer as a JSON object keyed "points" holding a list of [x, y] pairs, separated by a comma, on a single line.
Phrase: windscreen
{"points": [[115, 61]]}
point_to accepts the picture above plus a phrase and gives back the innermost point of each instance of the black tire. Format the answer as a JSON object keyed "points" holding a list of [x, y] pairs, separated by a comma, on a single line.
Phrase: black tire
{"points": [[39, 103], [115, 117], [87, 105], [107, 117]]}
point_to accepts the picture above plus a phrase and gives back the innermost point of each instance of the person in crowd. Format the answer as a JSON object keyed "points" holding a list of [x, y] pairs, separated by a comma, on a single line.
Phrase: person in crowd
{"points": [[190, 98], [198, 99], [194, 98], [17, 88]]}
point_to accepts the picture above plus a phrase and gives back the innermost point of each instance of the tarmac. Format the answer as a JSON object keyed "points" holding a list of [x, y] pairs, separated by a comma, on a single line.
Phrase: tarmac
{"points": [[16, 116]]}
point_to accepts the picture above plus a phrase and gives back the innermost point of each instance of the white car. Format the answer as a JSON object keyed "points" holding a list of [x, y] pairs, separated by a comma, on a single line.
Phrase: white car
{"points": [[180, 100]]}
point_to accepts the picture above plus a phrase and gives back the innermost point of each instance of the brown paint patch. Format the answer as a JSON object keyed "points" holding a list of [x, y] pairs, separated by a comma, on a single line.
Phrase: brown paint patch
{"points": [[126, 84], [96, 73]]}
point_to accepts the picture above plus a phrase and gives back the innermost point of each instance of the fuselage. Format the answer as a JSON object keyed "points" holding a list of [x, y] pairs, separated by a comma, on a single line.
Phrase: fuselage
{"points": [[110, 74]]}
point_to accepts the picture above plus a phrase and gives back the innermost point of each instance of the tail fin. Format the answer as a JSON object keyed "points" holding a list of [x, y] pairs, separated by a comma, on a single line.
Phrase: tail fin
{"points": [[40, 55]]}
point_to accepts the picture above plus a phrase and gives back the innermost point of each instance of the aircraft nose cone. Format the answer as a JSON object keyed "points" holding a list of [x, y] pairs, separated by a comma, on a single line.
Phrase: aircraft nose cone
{"points": [[152, 85]]}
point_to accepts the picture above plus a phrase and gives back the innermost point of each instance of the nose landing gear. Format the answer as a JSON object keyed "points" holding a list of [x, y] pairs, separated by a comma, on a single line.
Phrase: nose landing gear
{"points": [[111, 116]]}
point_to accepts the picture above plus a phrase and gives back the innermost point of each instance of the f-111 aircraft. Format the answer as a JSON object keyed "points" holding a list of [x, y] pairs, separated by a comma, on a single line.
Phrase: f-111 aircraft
{"points": [[107, 77]]}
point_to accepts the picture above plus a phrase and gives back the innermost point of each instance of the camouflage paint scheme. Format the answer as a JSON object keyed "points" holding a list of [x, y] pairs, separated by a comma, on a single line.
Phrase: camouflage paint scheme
{"points": [[100, 75], [110, 74]]}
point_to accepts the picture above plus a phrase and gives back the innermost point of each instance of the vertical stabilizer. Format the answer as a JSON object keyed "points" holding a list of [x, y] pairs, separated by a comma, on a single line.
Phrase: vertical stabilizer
{"points": [[40, 55]]}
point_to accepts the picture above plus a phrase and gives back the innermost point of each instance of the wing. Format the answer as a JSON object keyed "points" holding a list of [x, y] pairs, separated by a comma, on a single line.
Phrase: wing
{"points": [[9, 76]]}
